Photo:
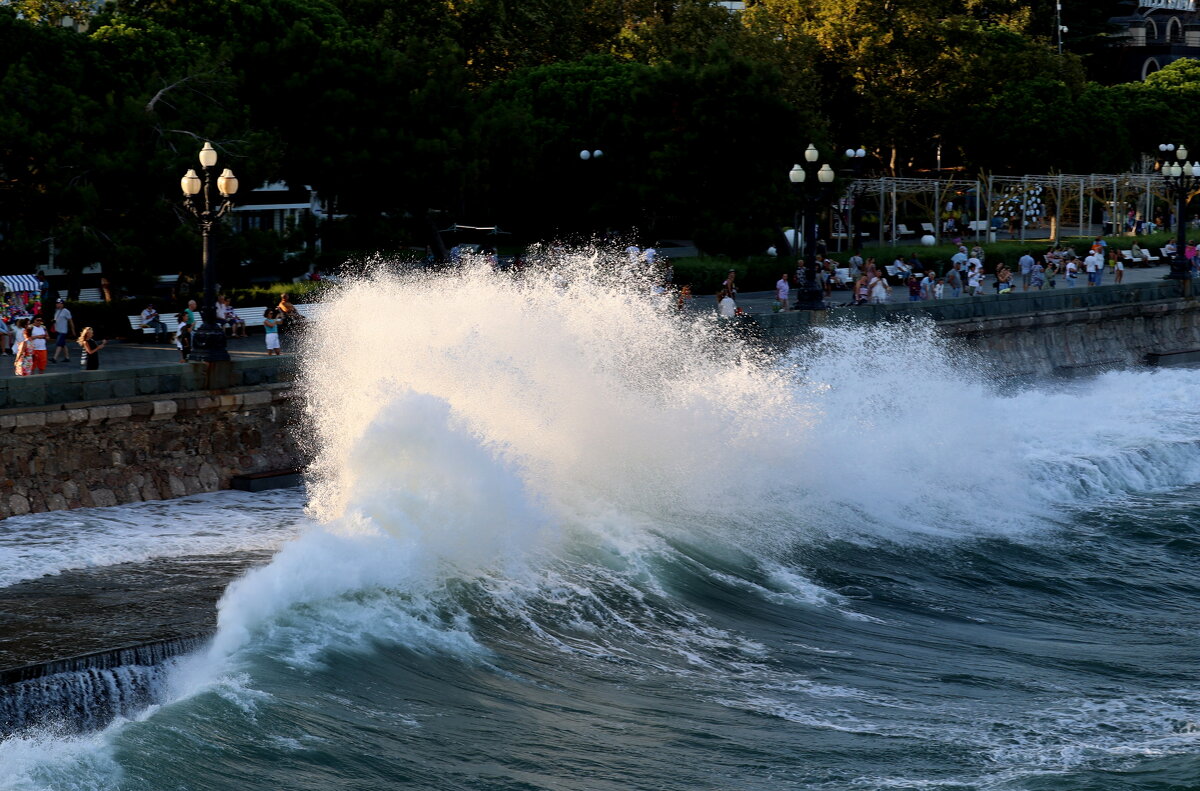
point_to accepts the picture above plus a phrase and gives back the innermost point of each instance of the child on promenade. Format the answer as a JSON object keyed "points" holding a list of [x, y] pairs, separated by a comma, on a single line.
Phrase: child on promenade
{"points": [[271, 327]]}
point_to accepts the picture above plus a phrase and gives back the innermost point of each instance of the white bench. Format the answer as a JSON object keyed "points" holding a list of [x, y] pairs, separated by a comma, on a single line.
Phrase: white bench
{"points": [[927, 227], [90, 295], [902, 230], [252, 316], [1146, 257], [978, 225]]}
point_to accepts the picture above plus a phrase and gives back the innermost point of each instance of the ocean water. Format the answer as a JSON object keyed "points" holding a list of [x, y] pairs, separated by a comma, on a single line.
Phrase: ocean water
{"points": [[558, 537]]}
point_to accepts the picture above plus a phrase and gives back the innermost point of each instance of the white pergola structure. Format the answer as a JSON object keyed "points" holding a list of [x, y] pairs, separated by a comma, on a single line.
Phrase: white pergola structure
{"points": [[1064, 201], [929, 195]]}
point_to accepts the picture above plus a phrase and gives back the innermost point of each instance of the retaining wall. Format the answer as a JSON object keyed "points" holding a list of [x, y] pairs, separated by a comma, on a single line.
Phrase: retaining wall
{"points": [[1035, 334], [63, 388], [149, 447]]}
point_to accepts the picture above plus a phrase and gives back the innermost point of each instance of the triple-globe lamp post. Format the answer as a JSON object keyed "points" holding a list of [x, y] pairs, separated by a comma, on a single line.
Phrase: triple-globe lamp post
{"points": [[810, 196], [207, 196], [1182, 177], [856, 157]]}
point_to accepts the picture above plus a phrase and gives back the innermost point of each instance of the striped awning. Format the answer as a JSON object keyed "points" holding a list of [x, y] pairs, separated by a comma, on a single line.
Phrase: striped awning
{"points": [[19, 282]]}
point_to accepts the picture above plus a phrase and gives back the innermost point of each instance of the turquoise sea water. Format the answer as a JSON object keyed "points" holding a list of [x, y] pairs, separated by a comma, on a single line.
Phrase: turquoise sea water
{"points": [[564, 542]]}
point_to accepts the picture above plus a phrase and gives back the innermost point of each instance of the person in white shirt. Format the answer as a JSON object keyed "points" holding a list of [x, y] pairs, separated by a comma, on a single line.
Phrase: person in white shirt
{"points": [[1093, 263], [974, 277], [781, 291], [64, 326], [151, 319], [1072, 272], [37, 335]]}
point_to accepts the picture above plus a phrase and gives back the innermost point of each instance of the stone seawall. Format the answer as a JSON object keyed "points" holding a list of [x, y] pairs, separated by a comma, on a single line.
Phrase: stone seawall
{"points": [[1067, 342], [86, 454], [1035, 334]]}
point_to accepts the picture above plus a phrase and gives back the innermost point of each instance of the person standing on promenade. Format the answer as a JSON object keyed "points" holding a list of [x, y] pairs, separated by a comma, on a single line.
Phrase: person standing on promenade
{"points": [[23, 362], [271, 331], [960, 257], [1118, 267], [927, 285], [1093, 263], [1037, 276], [63, 323], [1026, 264], [730, 283], [879, 288], [183, 336], [914, 288], [287, 315], [37, 335], [91, 349], [781, 291], [974, 277], [856, 265], [954, 280], [1072, 272]]}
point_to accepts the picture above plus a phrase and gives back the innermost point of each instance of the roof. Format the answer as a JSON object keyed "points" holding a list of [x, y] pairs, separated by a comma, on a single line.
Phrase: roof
{"points": [[20, 282]]}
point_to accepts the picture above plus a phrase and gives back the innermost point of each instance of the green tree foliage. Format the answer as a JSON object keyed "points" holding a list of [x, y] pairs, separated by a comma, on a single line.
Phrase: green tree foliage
{"points": [[477, 109]]}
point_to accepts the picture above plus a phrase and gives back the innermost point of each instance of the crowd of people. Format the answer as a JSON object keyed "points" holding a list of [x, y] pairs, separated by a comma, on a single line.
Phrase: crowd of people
{"points": [[966, 275], [25, 337]]}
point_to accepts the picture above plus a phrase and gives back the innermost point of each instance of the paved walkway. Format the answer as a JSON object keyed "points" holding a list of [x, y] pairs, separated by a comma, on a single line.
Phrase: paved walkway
{"points": [[140, 354]]}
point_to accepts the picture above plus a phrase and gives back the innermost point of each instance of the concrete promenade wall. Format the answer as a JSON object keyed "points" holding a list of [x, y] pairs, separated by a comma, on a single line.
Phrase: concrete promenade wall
{"points": [[146, 447], [132, 382], [1037, 334]]}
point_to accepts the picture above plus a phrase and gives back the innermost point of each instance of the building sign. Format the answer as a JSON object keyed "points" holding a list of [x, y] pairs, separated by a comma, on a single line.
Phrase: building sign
{"points": [[1174, 5]]}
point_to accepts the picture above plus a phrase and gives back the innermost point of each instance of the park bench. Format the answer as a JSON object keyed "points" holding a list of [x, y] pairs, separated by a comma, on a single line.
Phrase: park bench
{"points": [[90, 295], [253, 316], [902, 230], [1146, 260], [927, 227]]}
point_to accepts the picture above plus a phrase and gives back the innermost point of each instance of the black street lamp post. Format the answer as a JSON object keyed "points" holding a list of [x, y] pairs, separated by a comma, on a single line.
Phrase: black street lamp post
{"points": [[1181, 178], [810, 196], [200, 197], [592, 183], [856, 156]]}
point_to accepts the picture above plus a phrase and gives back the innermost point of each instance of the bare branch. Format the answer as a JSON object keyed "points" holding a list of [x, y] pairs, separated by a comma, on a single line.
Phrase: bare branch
{"points": [[164, 90]]}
